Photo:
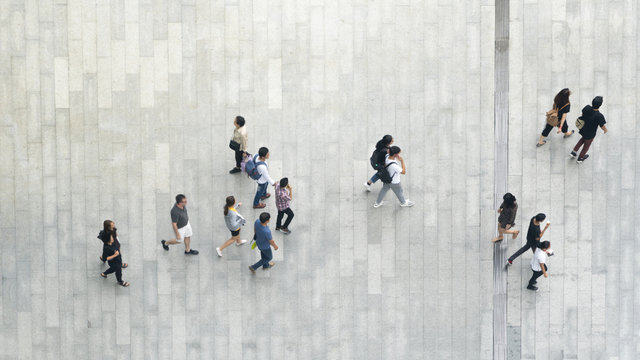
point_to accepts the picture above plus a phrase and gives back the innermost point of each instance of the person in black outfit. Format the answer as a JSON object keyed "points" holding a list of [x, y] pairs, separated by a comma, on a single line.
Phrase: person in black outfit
{"points": [[592, 118], [563, 105], [382, 150], [111, 252], [533, 236], [109, 228], [507, 219]]}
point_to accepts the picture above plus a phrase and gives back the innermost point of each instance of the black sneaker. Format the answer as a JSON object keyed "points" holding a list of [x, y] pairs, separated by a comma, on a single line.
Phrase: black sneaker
{"points": [[531, 287], [235, 171], [573, 154], [580, 160], [164, 246], [192, 252], [285, 231]]}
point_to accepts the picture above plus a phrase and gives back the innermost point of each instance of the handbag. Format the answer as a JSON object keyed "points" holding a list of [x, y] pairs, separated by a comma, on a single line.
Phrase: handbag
{"points": [[579, 123], [234, 145]]}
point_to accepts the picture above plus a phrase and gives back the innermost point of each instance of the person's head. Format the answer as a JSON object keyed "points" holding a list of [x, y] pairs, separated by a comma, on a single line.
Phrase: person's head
{"points": [[264, 218], [263, 152], [544, 245], [596, 102], [394, 150], [284, 182], [108, 226], [387, 139], [562, 98], [181, 200], [509, 200], [540, 217], [230, 201], [239, 121]]}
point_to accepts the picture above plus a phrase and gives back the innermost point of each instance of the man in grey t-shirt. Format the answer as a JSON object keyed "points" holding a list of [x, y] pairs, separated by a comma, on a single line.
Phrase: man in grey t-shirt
{"points": [[181, 226]]}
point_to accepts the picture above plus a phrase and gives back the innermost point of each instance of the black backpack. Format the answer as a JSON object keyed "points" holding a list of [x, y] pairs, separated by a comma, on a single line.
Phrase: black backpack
{"points": [[376, 162], [383, 174]]}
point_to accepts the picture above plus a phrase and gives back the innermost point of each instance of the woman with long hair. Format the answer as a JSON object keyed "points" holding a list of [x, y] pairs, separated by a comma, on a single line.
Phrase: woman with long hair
{"points": [[111, 252], [563, 105], [507, 219], [379, 156], [234, 222], [108, 231]]}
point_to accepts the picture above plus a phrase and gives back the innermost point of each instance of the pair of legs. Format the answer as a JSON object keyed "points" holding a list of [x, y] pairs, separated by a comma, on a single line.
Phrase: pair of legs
{"points": [[261, 193], [535, 276], [235, 237], [585, 144], [548, 128], [265, 258], [397, 189], [187, 242], [504, 230], [281, 216], [115, 268], [185, 233], [373, 179], [521, 251]]}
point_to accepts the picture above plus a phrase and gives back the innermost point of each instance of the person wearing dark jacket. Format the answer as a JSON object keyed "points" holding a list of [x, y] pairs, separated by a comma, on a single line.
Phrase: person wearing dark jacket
{"points": [[593, 119], [533, 236], [382, 150], [111, 252]]}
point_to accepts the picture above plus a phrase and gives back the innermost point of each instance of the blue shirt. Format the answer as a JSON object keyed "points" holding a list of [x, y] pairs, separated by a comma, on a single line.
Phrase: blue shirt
{"points": [[263, 235]]}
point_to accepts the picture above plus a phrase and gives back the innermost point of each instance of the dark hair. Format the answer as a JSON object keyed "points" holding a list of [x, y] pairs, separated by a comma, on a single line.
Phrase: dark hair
{"points": [[106, 229], [596, 102], [562, 98], [284, 182], [263, 152], [541, 217], [230, 201], [394, 150], [179, 198], [240, 120], [264, 217], [544, 245], [509, 200], [384, 142]]}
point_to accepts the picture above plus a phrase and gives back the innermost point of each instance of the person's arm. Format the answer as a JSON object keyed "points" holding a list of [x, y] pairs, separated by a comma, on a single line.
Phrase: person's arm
{"points": [[273, 243], [244, 139], [543, 230], [263, 171], [115, 255], [604, 128], [544, 271], [564, 117], [175, 230], [404, 169]]}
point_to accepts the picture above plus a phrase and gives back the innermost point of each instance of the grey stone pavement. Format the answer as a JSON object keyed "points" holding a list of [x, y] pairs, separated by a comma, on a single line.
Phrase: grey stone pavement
{"points": [[108, 109]]}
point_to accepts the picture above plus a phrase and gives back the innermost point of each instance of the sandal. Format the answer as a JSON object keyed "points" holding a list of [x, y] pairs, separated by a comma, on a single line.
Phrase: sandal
{"points": [[125, 265], [103, 275], [543, 142], [568, 134], [124, 283]]}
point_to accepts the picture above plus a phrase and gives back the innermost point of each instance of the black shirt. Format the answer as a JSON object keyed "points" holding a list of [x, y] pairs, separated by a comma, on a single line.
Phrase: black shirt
{"points": [[109, 250], [592, 120], [533, 234], [563, 111]]}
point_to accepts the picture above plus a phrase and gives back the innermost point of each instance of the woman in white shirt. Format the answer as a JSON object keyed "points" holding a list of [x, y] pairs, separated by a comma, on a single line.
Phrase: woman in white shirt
{"points": [[538, 264], [394, 170]]}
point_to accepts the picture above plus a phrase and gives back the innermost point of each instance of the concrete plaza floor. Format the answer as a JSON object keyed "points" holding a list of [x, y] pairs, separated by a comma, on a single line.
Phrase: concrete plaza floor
{"points": [[108, 109]]}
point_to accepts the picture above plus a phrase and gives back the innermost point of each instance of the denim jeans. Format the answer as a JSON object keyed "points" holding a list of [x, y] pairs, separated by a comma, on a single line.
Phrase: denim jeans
{"points": [[374, 178], [265, 257], [262, 191]]}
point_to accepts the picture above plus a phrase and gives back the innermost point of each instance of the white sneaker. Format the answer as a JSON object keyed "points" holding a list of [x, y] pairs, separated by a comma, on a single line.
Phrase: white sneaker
{"points": [[408, 203], [242, 242], [376, 205], [219, 252], [367, 186]]}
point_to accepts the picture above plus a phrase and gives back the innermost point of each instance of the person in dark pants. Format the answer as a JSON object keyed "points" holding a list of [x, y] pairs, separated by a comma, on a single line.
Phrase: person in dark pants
{"points": [[533, 236], [380, 153], [112, 255], [264, 241], [592, 118], [109, 230], [240, 136], [507, 219], [562, 104], [284, 195], [538, 264]]}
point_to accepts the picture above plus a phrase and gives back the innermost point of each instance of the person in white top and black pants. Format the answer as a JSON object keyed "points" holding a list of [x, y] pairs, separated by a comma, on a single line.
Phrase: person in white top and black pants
{"points": [[390, 176], [265, 179], [538, 264]]}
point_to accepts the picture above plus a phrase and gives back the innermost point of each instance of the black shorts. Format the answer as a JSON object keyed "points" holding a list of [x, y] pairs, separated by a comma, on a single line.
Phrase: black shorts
{"points": [[235, 233]]}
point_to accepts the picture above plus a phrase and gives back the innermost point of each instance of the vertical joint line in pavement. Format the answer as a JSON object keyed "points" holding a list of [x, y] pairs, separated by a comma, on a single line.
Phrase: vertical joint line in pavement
{"points": [[501, 136]]}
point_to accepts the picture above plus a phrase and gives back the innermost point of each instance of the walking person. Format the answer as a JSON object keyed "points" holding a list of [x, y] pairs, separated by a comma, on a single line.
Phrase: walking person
{"points": [[538, 264], [533, 236], [562, 106], [181, 226], [234, 222], [592, 118], [109, 231], [111, 253], [378, 158], [508, 210], [260, 161], [264, 241], [239, 142], [390, 176], [284, 195]]}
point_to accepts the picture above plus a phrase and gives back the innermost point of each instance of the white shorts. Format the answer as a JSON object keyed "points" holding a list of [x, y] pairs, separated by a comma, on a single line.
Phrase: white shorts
{"points": [[185, 232]]}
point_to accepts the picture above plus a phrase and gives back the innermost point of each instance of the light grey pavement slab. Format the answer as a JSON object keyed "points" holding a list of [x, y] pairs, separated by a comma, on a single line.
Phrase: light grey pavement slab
{"points": [[111, 108]]}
